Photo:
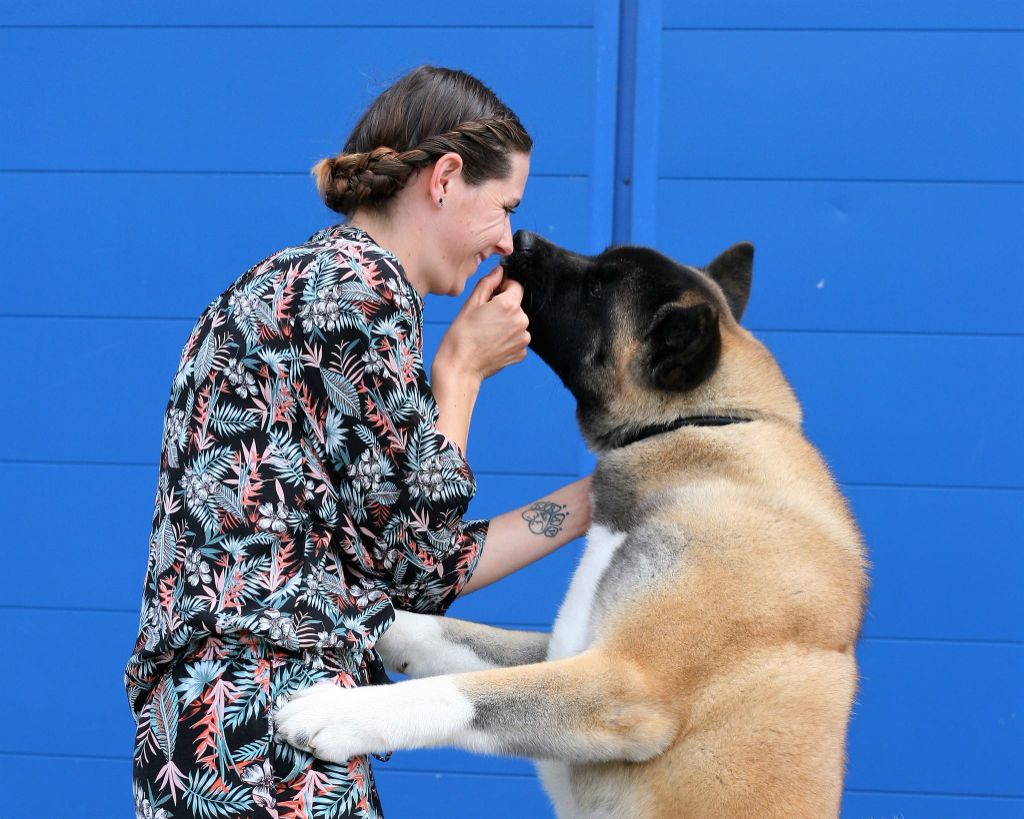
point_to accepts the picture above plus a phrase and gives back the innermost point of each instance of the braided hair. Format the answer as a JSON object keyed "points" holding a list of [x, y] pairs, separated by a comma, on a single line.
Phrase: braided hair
{"points": [[427, 113]]}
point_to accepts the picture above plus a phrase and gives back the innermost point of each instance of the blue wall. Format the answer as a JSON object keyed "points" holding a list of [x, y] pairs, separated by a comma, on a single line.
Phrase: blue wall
{"points": [[874, 152]]}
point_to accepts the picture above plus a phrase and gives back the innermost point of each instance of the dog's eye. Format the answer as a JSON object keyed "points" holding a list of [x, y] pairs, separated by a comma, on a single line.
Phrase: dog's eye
{"points": [[594, 288]]}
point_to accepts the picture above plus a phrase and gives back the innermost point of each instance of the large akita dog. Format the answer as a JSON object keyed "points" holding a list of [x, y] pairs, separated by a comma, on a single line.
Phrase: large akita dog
{"points": [[702, 664]]}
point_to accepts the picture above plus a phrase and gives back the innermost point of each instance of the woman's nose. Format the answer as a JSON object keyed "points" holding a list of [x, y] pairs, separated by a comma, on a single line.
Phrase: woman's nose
{"points": [[505, 245]]}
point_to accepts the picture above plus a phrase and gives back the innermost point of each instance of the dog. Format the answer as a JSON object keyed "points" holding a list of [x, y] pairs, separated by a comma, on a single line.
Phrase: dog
{"points": [[702, 663]]}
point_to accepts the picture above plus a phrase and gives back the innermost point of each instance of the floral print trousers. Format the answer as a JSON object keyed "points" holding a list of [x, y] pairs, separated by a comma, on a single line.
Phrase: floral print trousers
{"points": [[204, 744]]}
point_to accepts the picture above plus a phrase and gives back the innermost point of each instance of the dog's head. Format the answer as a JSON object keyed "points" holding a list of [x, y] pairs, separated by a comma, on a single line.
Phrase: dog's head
{"points": [[635, 336]]}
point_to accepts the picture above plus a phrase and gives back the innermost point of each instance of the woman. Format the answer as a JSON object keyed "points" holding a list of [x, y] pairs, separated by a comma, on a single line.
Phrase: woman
{"points": [[311, 480]]}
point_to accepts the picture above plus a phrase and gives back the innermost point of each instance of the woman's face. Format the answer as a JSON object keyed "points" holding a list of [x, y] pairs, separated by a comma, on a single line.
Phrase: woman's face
{"points": [[476, 224]]}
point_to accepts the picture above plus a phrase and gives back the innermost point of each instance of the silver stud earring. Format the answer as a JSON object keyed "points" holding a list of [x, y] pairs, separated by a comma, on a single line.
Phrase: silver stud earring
{"points": [[440, 202]]}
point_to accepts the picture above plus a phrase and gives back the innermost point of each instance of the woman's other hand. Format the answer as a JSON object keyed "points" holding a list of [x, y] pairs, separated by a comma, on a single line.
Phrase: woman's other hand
{"points": [[488, 334]]}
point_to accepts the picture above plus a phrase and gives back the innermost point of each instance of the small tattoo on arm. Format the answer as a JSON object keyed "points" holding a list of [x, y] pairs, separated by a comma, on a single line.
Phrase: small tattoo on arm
{"points": [[546, 518]]}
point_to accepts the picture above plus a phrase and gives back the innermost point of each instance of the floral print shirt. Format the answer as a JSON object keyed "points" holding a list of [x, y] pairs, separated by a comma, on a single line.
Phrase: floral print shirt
{"points": [[304, 490]]}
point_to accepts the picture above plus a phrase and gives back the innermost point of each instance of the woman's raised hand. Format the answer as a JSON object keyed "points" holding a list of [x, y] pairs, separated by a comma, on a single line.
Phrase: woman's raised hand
{"points": [[489, 332]]}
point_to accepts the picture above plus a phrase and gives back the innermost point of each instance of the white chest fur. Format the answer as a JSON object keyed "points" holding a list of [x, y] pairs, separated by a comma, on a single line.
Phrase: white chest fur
{"points": [[571, 634], [573, 627]]}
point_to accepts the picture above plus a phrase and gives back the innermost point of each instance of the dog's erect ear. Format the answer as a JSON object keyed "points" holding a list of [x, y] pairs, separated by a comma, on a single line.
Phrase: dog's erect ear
{"points": [[685, 345], [733, 271]]}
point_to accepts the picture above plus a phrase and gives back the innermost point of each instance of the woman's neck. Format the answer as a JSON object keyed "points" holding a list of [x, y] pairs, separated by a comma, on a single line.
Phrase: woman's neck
{"points": [[400, 240]]}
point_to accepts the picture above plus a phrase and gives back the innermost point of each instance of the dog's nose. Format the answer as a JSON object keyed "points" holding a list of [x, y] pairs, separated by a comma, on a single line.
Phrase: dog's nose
{"points": [[523, 241]]}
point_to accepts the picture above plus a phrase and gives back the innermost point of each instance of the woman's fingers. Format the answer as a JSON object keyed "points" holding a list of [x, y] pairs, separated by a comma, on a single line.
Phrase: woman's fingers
{"points": [[513, 290], [490, 331], [487, 286], [521, 354]]}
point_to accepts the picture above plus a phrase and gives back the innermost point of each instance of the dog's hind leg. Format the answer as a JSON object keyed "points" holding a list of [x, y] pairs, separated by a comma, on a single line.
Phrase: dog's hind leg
{"points": [[587, 708], [425, 645]]}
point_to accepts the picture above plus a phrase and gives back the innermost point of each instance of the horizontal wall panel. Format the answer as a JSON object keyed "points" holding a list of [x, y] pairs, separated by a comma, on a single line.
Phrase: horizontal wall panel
{"points": [[98, 551], [870, 14], [263, 99], [442, 795], [928, 548], [103, 787], [857, 256], [61, 785], [910, 409], [91, 390], [84, 653], [938, 718], [100, 389], [164, 245], [859, 805], [113, 513], [884, 408], [976, 688], [865, 105], [447, 759], [318, 13], [946, 563], [65, 693]]}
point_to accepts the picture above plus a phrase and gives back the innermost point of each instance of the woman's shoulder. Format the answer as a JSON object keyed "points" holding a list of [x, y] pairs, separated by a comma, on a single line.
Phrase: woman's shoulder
{"points": [[345, 269], [337, 270], [342, 259]]}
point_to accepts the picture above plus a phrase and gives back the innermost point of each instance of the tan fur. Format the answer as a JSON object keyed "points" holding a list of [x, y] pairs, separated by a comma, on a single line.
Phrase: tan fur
{"points": [[622, 714], [749, 643]]}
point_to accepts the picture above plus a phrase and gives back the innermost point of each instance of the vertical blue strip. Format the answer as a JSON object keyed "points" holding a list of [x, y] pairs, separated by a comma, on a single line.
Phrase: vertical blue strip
{"points": [[604, 189], [646, 103], [602, 175], [622, 207]]}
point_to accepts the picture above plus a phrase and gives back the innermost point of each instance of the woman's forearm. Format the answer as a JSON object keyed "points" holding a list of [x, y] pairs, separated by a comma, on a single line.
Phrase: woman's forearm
{"points": [[518, 538], [455, 393]]}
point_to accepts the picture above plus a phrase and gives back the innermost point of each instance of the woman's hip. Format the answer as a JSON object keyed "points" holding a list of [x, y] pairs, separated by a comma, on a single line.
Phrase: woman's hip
{"points": [[204, 741]]}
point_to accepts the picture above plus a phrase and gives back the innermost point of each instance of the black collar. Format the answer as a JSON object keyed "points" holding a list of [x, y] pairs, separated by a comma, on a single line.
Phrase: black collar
{"points": [[620, 438]]}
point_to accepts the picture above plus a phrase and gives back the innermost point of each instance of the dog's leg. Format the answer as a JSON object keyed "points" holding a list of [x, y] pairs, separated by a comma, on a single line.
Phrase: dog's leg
{"points": [[425, 645], [588, 708]]}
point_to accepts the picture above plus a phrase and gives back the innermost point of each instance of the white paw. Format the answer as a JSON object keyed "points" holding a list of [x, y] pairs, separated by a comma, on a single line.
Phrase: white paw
{"points": [[330, 722], [403, 646], [416, 646]]}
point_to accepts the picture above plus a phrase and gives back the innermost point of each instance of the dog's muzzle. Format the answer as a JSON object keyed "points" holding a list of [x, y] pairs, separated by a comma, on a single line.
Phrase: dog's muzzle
{"points": [[524, 241]]}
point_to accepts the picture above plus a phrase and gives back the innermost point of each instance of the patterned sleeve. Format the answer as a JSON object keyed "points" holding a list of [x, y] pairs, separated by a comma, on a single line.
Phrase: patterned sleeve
{"points": [[402, 486]]}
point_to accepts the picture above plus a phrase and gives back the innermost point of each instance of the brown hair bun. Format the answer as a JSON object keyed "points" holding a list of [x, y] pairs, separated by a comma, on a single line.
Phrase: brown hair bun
{"points": [[348, 181]]}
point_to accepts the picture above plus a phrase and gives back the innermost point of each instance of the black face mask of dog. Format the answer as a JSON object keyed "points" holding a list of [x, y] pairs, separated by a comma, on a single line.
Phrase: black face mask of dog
{"points": [[629, 313]]}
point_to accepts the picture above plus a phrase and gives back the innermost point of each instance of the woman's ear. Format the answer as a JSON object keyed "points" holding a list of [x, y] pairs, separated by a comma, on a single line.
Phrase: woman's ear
{"points": [[446, 168]]}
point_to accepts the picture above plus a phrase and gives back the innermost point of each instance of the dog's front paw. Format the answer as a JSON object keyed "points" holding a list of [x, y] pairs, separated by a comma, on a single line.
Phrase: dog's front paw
{"points": [[407, 646], [330, 722]]}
